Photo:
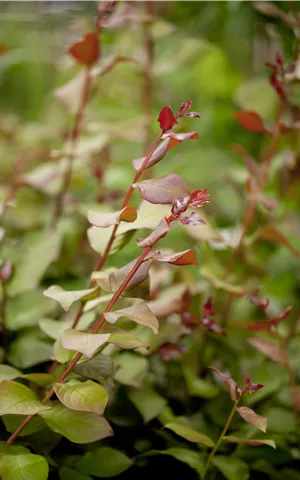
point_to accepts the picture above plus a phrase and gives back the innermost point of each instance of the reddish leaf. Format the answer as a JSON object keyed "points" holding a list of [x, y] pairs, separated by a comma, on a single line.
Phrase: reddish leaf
{"points": [[166, 119], [169, 352], [157, 155], [250, 416], [253, 441], [86, 50], [286, 313], [180, 205], [176, 138], [159, 232], [260, 326], [208, 307], [6, 271], [4, 49], [253, 387], [253, 297], [198, 198], [163, 190], [104, 220], [191, 220], [252, 165], [212, 326], [230, 383], [187, 257], [267, 348], [251, 121], [185, 107], [189, 321]]}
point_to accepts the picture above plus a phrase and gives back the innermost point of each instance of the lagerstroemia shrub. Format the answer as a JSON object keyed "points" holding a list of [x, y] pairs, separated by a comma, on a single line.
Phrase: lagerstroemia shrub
{"points": [[136, 368]]}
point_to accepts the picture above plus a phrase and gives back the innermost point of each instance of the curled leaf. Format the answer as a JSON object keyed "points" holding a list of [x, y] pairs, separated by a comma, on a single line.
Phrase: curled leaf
{"points": [[86, 50], [176, 138], [66, 299], [157, 155], [104, 220], [166, 118], [230, 383], [139, 313], [159, 232], [187, 257], [117, 277], [250, 416]]}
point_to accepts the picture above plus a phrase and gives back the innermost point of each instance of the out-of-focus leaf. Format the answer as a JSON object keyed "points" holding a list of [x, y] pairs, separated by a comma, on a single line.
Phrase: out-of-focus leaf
{"points": [[98, 368], [230, 384], [71, 474], [20, 351], [190, 434], [82, 396], [251, 121], [9, 373], [232, 468], [191, 458], [250, 441], [104, 462], [86, 50], [221, 284], [65, 299], [78, 427], [132, 369], [26, 309], [272, 234], [122, 338], [41, 379], [159, 232], [250, 416], [12, 422], [139, 313], [163, 190], [55, 328], [104, 220], [16, 399], [148, 402], [86, 343], [267, 348]]}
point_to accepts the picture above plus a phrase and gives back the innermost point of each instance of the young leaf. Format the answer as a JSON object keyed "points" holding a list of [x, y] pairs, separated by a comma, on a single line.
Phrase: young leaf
{"points": [[251, 121], [25, 466], [166, 119], [78, 427], [157, 155], [104, 220], [250, 441], [66, 299], [230, 383], [148, 402], [250, 416], [139, 313], [187, 257], [267, 348], [163, 190], [16, 399], [159, 232], [191, 220], [86, 50], [190, 434], [86, 343], [82, 396], [104, 462], [232, 468], [176, 138]]}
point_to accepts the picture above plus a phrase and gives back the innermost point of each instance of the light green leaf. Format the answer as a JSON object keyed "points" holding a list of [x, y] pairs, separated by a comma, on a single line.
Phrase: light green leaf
{"points": [[23, 467], [82, 396], [26, 309], [78, 427], [17, 399], [190, 434], [40, 250], [250, 441], [232, 468], [191, 458], [61, 354], [6, 449], [98, 368], [41, 379], [148, 402], [86, 343], [221, 284], [70, 474], [66, 299], [9, 373], [104, 462], [139, 313], [55, 328], [132, 369], [122, 338], [104, 220], [99, 238]]}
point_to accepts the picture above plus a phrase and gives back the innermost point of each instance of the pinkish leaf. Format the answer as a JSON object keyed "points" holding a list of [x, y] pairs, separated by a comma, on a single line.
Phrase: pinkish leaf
{"points": [[185, 107], [250, 441], [176, 138], [191, 220], [86, 50], [139, 313], [117, 277], [260, 326], [169, 351], [166, 119], [252, 165], [212, 326], [250, 416], [159, 232], [189, 321], [187, 257], [198, 198], [267, 348], [6, 271], [157, 155], [193, 115], [285, 314], [230, 383], [251, 121], [104, 220], [180, 205], [163, 190], [208, 307]]}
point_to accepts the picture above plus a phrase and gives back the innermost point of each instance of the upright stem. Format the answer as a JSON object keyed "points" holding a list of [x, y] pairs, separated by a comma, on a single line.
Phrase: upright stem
{"points": [[3, 319], [59, 203], [220, 439], [95, 330], [292, 381]]}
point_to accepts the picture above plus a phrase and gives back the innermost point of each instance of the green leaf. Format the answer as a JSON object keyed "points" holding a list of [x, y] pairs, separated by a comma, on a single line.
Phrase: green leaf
{"points": [[132, 369], [9, 373], [104, 462], [26, 309], [232, 468], [6, 449], [122, 338], [250, 441], [23, 467], [16, 399], [70, 474], [98, 368], [61, 354], [190, 434], [86, 343], [221, 284], [66, 299], [55, 328], [40, 250], [41, 379], [250, 416], [12, 422], [148, 402], [191, 458], [78, 427], [85, 397], [20, 352], [139, 313]]}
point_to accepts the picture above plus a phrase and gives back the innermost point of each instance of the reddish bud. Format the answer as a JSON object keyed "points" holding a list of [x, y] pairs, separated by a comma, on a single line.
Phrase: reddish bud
{"points": [[253, 297], [6, 271], [191, 220], [86, 50], [189, 321], [212, 326], [169, 352], [198, 198], [250, 387], [185, 107], [208, 307], [286, 313], [166, 119], [278, 58], [180, 205]]}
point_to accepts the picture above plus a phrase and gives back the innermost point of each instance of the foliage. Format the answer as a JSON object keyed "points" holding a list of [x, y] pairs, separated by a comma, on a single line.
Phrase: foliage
{"points": [[114, 347]]}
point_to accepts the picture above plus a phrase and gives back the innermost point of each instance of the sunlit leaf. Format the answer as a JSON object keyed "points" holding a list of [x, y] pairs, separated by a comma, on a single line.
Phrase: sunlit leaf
{"points": [[139, 313], [25, 466], [250, 416], [66, 299], [17, 399], [190, 434], [163, 190], [85, 396], [86, 343], [104, 220]]}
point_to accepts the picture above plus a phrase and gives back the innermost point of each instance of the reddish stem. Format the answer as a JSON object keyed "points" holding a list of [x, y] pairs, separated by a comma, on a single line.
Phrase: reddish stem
{"points": [[3, 316]]}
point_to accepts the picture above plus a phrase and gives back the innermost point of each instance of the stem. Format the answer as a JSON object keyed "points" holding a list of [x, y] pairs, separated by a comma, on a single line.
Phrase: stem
{"points": [[292, 381], [58, 208], [3, 318], [220, 439], [95, 330]]}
